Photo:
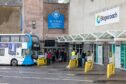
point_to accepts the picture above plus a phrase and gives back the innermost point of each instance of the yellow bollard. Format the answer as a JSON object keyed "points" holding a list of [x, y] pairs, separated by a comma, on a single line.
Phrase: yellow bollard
{"points": [[113, 69], [110, 70], [45, 61], [73, 63], [41, 61], [76, 63], [88, 66], [70, 64]]}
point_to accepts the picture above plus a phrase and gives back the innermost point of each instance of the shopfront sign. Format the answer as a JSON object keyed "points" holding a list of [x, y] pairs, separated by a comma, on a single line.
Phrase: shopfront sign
{"points": [[107, 17], [56, 20]]}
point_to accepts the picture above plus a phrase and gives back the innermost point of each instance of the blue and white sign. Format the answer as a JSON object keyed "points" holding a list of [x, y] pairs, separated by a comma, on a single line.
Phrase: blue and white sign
{"points": [[107, 17], [56, 20]]}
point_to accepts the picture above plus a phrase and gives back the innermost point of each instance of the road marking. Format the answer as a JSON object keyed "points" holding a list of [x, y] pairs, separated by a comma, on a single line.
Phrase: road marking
{"points": [[56, 79], [25, 72], [4, 68], [71, 74]]}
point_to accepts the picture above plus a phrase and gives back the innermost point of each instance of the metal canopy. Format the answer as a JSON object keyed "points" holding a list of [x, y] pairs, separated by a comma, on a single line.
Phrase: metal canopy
{"points": [[97, 34], [107, 36], [73, 36], [114, 33], [83, 36], [68, 38], [61, 39], [78, 38], [90, 37], [121, 37]]}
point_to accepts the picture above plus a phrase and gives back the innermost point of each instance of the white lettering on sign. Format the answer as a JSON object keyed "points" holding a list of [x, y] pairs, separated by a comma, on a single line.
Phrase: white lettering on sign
{"points": [[107, 17]]}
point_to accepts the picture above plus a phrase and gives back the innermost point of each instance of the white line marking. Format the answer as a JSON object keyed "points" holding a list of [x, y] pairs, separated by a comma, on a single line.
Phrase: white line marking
{"points": [[23, 72], [4, 68], [56, 79]]}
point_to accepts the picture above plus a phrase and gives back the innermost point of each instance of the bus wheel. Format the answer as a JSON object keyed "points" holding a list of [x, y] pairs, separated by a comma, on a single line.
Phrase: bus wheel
{"points": [[14, 62]]}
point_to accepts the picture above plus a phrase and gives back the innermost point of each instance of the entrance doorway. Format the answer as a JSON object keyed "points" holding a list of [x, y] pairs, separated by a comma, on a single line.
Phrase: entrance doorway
{"points": [[106, 48]]}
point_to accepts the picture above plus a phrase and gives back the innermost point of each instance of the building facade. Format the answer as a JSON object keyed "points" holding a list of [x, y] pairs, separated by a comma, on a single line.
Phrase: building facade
{"points": [[101, 25], [36, 18], [86, 10]]}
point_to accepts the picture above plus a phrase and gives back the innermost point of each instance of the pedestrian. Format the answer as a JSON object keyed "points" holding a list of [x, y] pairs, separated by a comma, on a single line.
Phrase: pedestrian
{"points": [[84, 59], [62, 55], [88, 55], [57, 54], [73, 54], [65, 56], [53, 55], [49, 57]]}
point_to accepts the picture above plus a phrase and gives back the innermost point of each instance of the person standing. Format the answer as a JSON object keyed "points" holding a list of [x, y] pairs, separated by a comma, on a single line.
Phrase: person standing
{"points": [[57, 54], [84, 59], [53, 55], [65, 56], [49, 57], [73, 54], [62, 55]]}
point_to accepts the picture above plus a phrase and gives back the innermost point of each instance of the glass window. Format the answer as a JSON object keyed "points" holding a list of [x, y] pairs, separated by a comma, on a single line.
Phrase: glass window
{"points": [[35, 39], [24, 39], [2, 52], [14, 38], [25, 52], [78, 46], [5, 38]]}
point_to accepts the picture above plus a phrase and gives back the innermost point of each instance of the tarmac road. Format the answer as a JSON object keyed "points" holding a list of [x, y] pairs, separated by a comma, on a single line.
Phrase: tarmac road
{"points": [[52, 74]]}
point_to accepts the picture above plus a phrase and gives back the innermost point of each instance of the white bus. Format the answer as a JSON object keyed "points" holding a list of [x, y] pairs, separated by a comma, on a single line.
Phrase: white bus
{"points": [[15, 49]]}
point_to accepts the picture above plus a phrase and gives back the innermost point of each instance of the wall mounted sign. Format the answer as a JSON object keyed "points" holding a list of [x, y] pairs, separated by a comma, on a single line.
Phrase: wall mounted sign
{"points": [[56, 20], [107, 17]]}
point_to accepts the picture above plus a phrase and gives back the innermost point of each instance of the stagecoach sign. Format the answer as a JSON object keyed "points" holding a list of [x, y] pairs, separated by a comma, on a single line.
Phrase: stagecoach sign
{"points": [[107, 17]]}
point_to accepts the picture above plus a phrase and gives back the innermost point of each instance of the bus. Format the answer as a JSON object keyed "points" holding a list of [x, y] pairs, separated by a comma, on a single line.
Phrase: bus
{"points": [[35, 47], [15, 49]]}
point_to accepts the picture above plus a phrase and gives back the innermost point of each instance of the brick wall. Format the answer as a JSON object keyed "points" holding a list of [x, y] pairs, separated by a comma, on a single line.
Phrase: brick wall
{"points": [[33, 11], [49, 8], [37, 10]]}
